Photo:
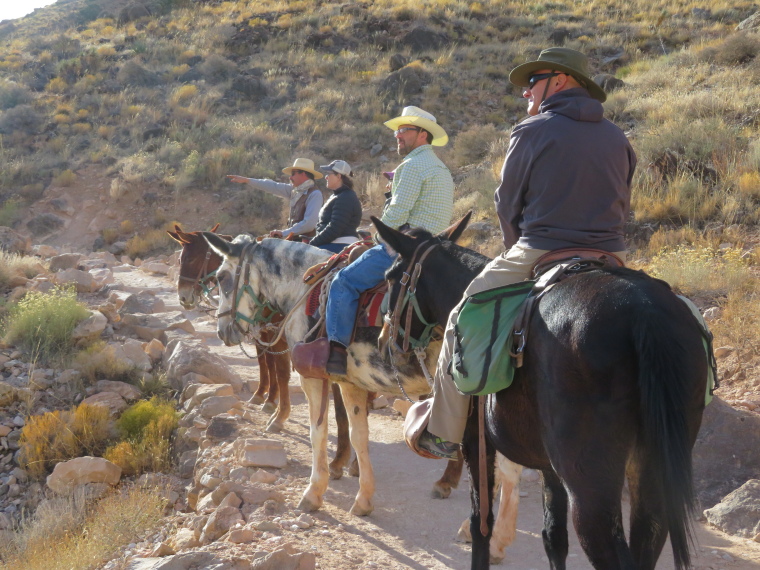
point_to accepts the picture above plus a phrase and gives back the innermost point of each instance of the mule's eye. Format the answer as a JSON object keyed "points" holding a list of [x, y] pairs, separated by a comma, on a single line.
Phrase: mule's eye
{"points": [[225, 281]]}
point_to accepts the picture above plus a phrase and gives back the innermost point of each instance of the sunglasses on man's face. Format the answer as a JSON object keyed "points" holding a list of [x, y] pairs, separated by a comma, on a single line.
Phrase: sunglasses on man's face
{"points": [[402, 130], [540, 77]]}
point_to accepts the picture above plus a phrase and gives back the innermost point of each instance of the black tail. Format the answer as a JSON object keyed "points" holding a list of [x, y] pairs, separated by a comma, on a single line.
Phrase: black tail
{"points": [[669, 348]]}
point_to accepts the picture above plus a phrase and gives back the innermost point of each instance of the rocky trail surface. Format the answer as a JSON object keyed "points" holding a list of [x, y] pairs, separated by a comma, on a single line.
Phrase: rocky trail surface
{"points": [[408, 528]]}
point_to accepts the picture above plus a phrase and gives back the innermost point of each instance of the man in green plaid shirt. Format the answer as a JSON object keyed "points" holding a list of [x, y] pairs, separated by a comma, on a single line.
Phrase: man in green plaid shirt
{"points": [[422, 195]]}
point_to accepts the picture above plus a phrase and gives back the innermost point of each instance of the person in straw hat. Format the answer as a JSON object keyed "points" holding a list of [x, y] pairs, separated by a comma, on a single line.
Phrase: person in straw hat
{"points": [[566, 182], [305, 198], [422, 195]]}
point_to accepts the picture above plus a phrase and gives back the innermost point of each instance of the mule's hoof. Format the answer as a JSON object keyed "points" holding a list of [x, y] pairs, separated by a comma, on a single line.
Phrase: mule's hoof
{"points": [[274, 427], [269, 408], [336, 472], [362, 509], [309, 505], [496, 558], [440, 491], [463, 535], [255, 399]]}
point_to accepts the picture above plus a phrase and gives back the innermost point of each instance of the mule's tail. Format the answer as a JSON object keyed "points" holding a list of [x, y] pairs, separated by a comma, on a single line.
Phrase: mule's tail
{"points": [[668, 376]]}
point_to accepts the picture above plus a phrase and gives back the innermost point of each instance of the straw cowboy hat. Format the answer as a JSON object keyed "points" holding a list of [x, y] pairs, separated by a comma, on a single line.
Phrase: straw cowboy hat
{"points": [[566, 60], [422, 119], [303, 164]]}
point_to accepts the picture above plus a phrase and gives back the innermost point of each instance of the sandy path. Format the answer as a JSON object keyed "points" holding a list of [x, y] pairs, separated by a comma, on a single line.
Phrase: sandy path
{"points": [[408, 529]]}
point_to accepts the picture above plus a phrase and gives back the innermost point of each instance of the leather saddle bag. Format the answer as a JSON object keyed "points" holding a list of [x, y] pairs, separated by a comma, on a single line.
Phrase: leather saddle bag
{"points": [[310, 358], [416, 421]]}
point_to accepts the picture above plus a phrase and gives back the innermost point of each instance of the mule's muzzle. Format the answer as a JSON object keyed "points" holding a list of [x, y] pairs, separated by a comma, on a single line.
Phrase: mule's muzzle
{"points": [[228, 333]]}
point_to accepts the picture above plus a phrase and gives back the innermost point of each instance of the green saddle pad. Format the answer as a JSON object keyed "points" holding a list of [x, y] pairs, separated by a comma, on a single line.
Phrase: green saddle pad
{"points": [[481, 363]]}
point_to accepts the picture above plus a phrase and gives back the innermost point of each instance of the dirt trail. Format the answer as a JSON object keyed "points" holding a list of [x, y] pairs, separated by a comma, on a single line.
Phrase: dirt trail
{"points": [[408, 529]]}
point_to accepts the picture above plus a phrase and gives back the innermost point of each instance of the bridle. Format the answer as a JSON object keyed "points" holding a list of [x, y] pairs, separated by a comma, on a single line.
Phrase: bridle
{"points": [[264, 310], [203, 278], [407, 305]]}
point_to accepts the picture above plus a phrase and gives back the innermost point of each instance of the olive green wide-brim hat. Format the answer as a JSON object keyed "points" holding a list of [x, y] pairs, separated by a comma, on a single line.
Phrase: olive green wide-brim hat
{"points": [[559, 59]]}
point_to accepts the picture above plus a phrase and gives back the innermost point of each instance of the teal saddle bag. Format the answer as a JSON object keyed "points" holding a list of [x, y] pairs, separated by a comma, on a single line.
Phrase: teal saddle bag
{"points": [[481, 363]]}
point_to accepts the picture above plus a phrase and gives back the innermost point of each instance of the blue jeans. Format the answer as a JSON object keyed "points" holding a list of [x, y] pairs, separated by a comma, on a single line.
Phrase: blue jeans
{"points": [[362, 274], [333, 247]]}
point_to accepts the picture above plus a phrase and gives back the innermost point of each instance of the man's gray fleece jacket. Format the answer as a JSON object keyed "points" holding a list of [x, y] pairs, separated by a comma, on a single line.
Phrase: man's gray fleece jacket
{"points": [[566, 180]]}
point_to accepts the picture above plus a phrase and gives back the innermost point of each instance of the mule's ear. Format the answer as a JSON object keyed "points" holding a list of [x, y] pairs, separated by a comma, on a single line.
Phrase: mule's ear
{"points": [[397, 241], [454, 231], [213, 230], [175, 237], [219, 245], [177, 228]]}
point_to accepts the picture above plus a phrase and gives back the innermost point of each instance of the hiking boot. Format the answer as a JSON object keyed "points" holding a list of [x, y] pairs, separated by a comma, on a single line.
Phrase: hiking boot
{"points": [[438, 447], [337, 363]]}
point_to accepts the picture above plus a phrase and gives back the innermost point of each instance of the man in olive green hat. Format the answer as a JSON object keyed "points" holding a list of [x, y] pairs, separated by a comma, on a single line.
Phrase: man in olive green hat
{"points": [[566, 182]]}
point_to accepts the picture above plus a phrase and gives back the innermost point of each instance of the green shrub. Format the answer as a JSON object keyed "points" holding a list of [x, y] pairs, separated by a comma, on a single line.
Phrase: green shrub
{"points": [[146, 430], [11, 212], [20, 118], [12, 94], [42, 323], [473, 145], [135, 420]]}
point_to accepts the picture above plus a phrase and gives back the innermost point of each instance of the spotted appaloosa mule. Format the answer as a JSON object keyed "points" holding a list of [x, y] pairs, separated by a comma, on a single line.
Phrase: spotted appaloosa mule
{"points": [[274, 269], [197, 268], [613, 386]]}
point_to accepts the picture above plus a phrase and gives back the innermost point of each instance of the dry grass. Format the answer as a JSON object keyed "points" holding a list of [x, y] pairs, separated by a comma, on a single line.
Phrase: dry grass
{"points": [[62, 435], [86, 534]]}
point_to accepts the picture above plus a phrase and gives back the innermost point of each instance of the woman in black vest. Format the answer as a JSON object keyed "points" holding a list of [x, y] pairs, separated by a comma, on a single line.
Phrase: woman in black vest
{"points": [[342, 213]]}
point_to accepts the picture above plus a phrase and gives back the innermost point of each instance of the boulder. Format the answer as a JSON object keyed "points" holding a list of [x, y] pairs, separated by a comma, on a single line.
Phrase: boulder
{"points": [[286, 559], [739, 512], [194, 394], [82, 280], [144, 302], [91, 327], [188, 357], [65, 261], [192, 560], [215, 405], [126, 391], [148, 327], [261, 453], [44, 223], [46, 251], [726, 454], [751, 23], [111, 400], [154, 349], [421, 38], [82, 470], [609, 83], [155, 267], [403, 83], [220, 522], [131, 352], [13, 242]]}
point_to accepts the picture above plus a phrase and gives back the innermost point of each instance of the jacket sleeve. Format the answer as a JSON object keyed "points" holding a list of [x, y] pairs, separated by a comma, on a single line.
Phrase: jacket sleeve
{"points": [[342, 218], [271, 187], [310, 217], [510, 195]]}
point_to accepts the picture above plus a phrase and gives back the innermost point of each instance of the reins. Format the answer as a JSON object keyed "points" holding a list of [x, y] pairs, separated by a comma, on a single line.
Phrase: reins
{"points": [[407, 302]]}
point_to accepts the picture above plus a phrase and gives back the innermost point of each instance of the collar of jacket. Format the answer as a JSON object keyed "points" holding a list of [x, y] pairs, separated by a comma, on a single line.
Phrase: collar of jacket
{"points": [[303, 187]]}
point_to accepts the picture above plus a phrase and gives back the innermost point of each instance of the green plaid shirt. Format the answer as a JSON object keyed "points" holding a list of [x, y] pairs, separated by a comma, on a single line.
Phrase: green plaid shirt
{"points": [[422, 192]]}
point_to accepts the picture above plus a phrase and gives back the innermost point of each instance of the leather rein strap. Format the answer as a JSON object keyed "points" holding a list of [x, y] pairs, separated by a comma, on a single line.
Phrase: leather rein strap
{"points": [[408, 289]]}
